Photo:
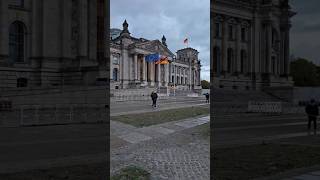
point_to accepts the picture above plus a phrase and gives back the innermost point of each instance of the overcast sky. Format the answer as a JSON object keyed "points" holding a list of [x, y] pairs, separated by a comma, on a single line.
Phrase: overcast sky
{"points": [[176, 19], [180, 19], [305, 32]]}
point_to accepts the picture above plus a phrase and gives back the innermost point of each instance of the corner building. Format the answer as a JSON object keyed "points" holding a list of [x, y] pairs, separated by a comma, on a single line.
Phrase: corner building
{"points": [[250, 43], [45, 43]]}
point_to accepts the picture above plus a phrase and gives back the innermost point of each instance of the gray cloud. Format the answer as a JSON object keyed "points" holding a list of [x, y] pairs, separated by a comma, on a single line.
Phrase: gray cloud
{"points": [[305, 32], [177, 20]]}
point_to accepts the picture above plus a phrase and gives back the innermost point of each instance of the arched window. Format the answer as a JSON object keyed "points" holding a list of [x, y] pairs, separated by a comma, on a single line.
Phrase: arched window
{"points": [[17, 42], [115, 74]]}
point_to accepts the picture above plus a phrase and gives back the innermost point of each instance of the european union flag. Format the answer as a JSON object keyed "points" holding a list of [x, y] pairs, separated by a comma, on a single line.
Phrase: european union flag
{"points": [[152, 57]]}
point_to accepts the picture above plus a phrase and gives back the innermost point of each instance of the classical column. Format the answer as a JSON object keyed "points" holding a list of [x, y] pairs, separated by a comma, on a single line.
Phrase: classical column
{"points": [[83, 28], [4, 37], [139, 70], [159, 75], [198, 77], [224, 47], [135, 58], [166, 74], [144, 69], [152, 68], [286, 55], [256, 43], [190, 76], [125, 68], [238, 49], [269, 47]]}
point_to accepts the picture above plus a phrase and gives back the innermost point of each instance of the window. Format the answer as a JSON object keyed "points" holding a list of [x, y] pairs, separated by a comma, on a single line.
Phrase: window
{"points": [[217, 30], [115, 60], [243, 34], [115, 74], [230, 32], [22, 82], [16, 3], [242, 60], [273, 65], [17, 42], [172, 79], [229, 59], [217, 60], [182, 80], [186, 80]]}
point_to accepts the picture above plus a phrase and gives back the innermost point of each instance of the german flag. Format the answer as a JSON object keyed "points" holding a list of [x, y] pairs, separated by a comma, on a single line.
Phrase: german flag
{"points": [[163, 60]]}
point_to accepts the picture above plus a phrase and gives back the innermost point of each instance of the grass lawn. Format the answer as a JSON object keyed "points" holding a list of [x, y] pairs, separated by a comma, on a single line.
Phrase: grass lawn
{"points": [[253, 161], [203, 131], [131, 173], [158, 117], [83, 172]]}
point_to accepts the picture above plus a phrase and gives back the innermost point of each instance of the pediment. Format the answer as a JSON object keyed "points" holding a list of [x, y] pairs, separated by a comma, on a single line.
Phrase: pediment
{"points": [[154, 46]]}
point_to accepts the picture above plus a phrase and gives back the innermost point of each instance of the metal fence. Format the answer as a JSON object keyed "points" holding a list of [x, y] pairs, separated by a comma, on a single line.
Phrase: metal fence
{"points": [[28, 115]]}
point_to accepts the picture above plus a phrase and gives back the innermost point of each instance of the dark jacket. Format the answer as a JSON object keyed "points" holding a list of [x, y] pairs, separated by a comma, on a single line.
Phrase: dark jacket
{"points": [[154, 96], [312, 109]]}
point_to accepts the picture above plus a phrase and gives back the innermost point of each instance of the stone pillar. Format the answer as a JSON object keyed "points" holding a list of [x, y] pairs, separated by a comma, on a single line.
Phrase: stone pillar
{"points": [[125, 68], [286, 51], [66, 25], [144, 69], [159, 75], [139, 70], [166, 74], [83, 45], [256, 43], [37, 32], [190, 76], [152, 78], [180, 75], [135, 59], [238, 49], [269, 47], [4, 34], [224, 47]]}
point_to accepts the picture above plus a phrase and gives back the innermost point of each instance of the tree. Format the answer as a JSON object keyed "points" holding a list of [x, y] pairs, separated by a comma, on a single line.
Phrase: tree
{"points": [[205, 84], [304, 73]]}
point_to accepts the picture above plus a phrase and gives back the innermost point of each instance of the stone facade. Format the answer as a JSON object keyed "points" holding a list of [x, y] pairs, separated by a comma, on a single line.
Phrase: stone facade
{"points": [[49, 43], [128, 68], [250, 43]]}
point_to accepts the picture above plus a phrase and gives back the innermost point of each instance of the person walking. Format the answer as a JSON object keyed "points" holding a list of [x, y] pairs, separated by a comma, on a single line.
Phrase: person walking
{"points": [[154, 97], [312, 111], [207, 97]]}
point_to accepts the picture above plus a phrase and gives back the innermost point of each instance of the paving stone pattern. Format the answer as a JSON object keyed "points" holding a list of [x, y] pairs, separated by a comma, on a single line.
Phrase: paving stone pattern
{"points": [[170, 152]]}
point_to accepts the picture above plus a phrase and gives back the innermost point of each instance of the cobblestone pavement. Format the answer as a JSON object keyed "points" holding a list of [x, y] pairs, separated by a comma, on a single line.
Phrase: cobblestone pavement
{"points": [[176, 154]]}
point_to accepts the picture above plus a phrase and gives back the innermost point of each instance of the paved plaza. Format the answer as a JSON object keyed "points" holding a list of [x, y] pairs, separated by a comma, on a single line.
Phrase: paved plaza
{"points": [[234, 129], [28, 148], [168, 150]]}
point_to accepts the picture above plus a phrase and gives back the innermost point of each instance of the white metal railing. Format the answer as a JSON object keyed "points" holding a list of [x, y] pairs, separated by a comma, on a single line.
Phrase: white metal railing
{"points": [[264, 107], [60, 114]]}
